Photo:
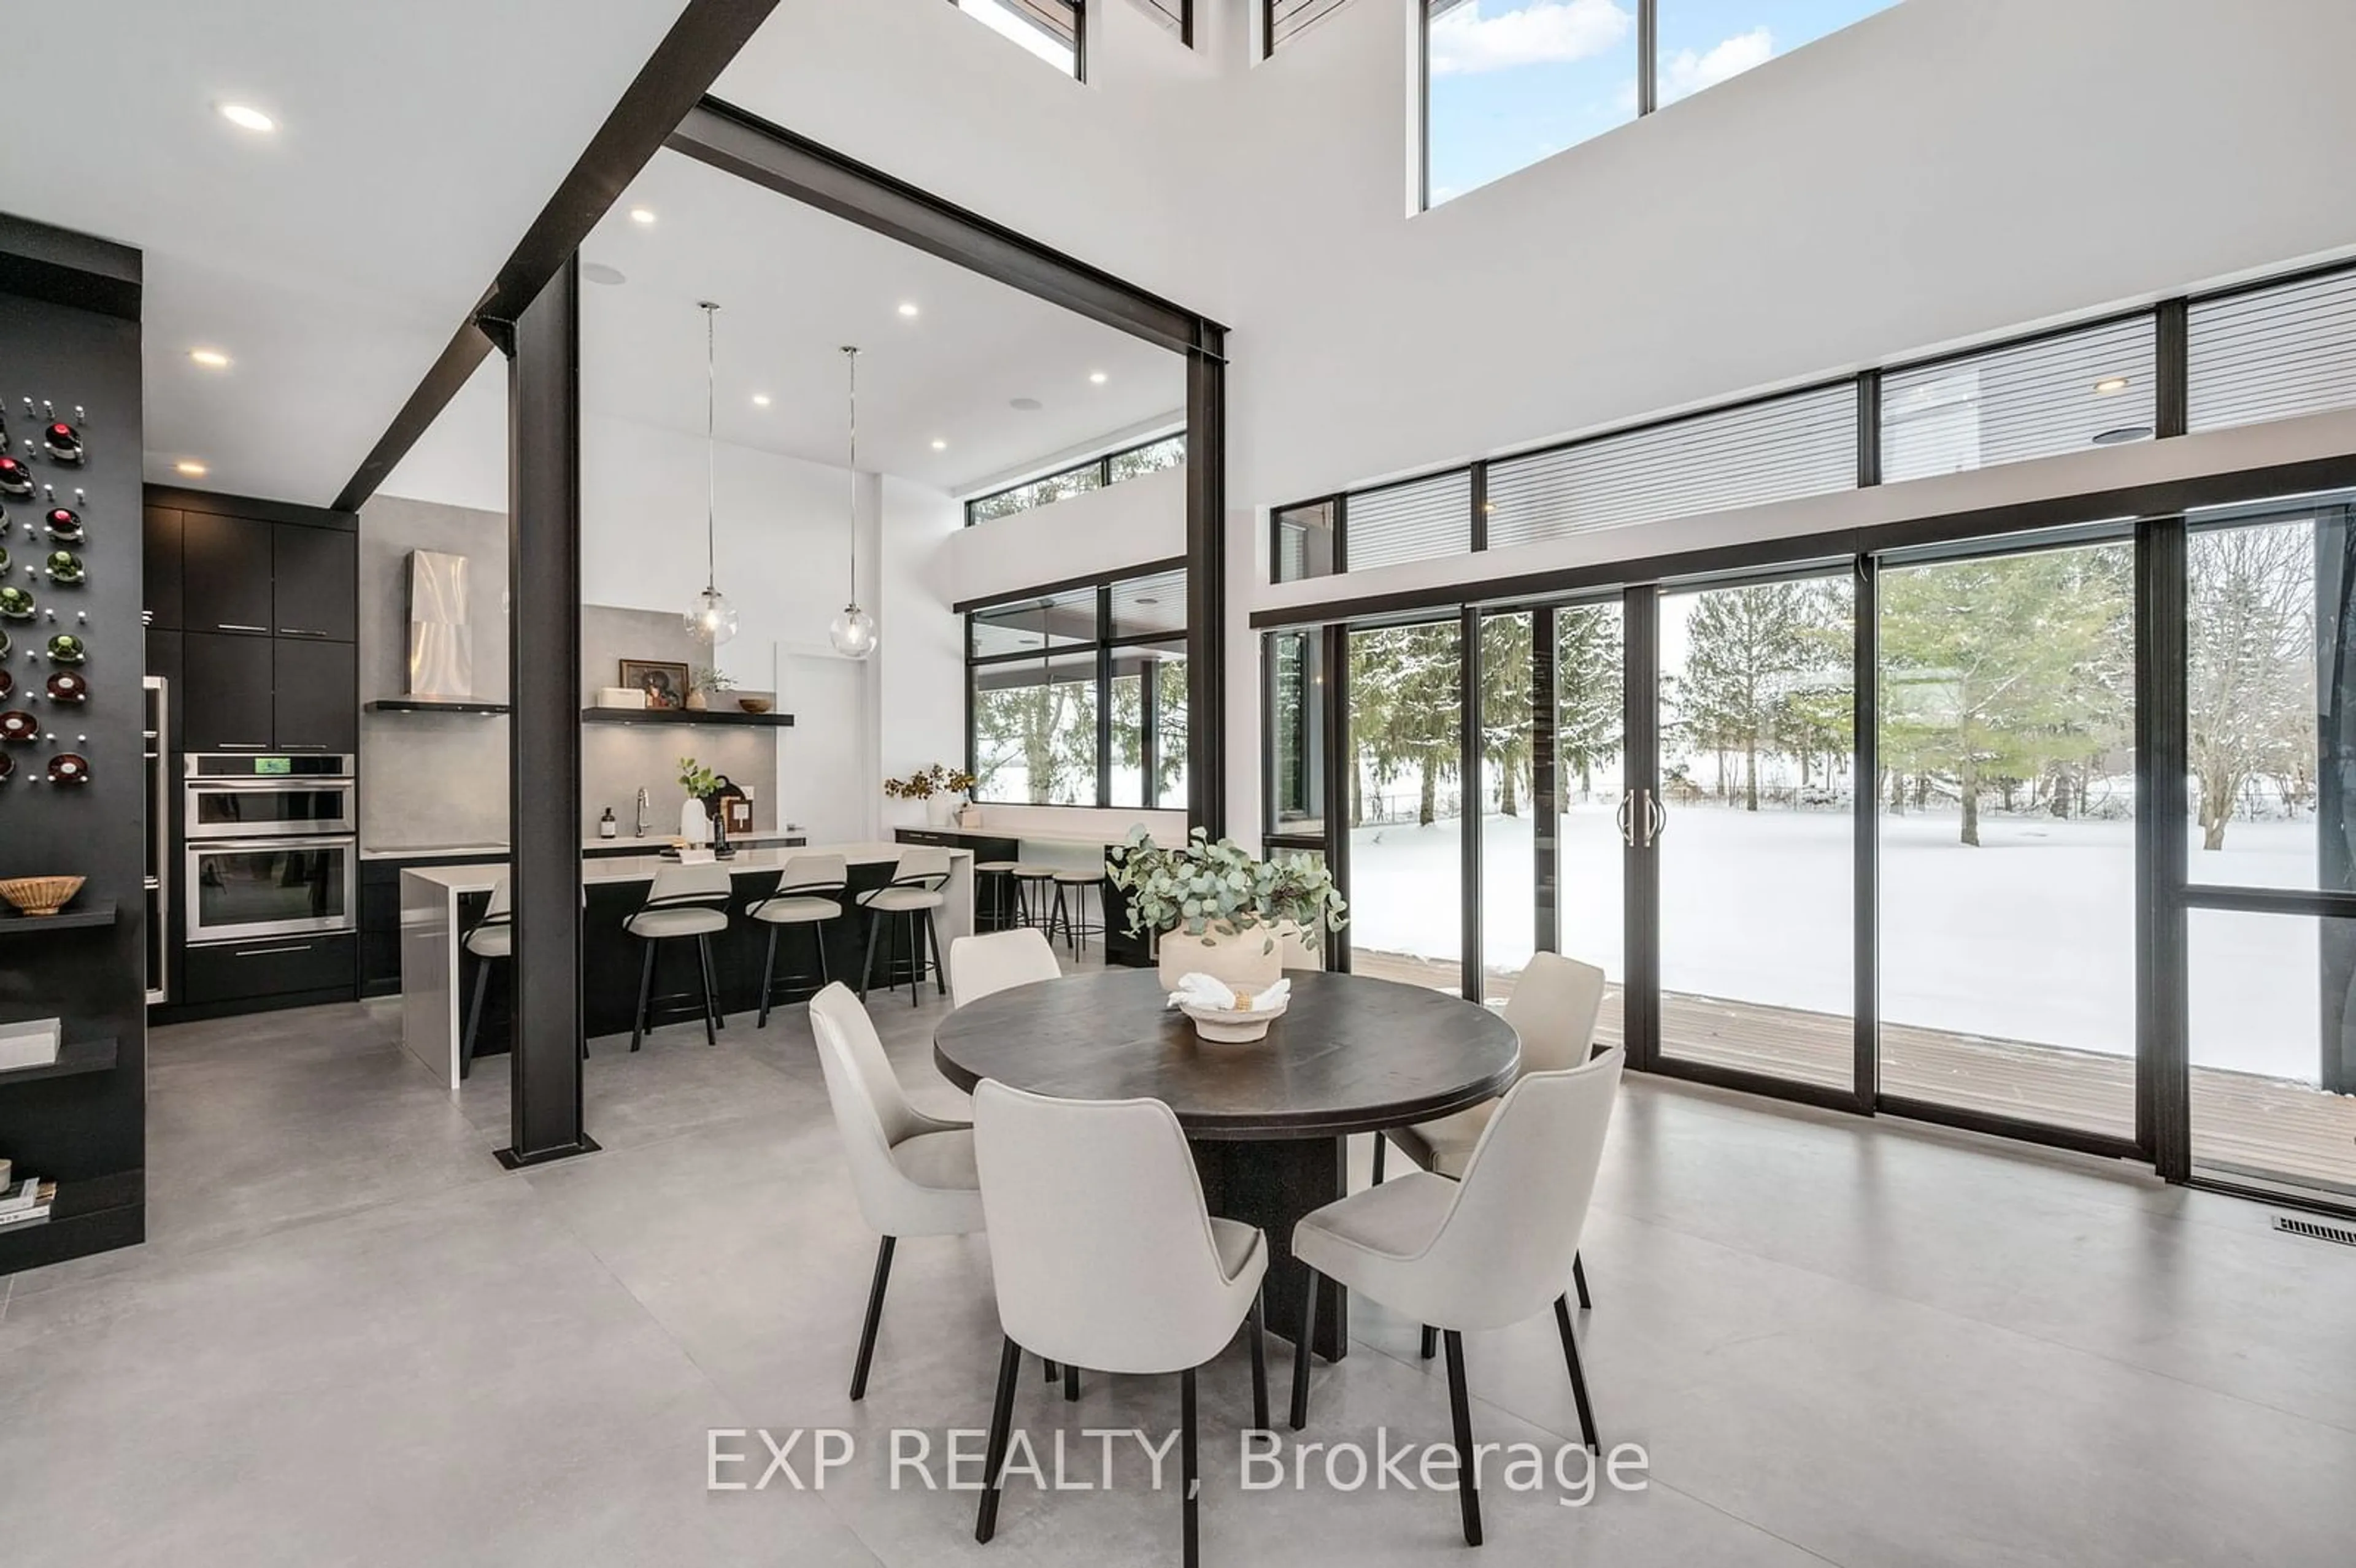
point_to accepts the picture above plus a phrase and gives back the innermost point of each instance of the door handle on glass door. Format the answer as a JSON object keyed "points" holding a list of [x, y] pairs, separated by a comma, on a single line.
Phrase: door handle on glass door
{"points": [[1656, 818], [1625, 817]]}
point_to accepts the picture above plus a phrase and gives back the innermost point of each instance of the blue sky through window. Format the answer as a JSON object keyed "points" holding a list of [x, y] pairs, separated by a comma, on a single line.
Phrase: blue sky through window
{"points": [[1513, 81]]}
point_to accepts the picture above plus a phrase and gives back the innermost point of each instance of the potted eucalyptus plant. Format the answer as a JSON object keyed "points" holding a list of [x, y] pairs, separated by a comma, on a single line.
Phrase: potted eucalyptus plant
{"points": [[1220, 911]]}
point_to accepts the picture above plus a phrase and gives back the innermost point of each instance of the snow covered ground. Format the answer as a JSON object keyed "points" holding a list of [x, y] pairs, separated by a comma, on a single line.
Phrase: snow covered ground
{"points": [[2029, 937]]}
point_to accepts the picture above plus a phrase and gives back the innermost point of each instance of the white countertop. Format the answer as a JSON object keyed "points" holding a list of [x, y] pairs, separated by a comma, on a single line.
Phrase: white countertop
{"points": [[1030, 835], [481, 877], [650, 844]]}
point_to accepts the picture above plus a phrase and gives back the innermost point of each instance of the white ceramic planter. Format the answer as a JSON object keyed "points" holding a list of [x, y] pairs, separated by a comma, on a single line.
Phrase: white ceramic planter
{"points": [[1248, 961]]}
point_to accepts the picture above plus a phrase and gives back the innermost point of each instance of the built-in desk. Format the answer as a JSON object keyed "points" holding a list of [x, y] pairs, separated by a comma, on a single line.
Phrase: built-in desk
{"points": [[440, 902]]}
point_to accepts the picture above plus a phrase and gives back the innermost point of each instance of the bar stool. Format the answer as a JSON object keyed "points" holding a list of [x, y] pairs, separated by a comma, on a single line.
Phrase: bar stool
{"points": [[1078, 927], [492, 939], [915, 891], [809, 893], [1034, 900], [685, 901], [999, 873]]}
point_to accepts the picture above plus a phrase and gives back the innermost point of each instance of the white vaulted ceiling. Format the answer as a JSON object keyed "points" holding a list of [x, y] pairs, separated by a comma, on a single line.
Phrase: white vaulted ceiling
{"points": [[332, 258]]}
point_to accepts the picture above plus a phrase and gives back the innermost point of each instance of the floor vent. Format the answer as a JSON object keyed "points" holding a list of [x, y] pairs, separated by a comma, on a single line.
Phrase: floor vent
{"points": [[2315, 1230]]}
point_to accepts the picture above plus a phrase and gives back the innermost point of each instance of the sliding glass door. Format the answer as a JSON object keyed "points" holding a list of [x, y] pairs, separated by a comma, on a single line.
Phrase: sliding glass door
{"points": [[1407, 803], [2005, 808], [1747, 823]]}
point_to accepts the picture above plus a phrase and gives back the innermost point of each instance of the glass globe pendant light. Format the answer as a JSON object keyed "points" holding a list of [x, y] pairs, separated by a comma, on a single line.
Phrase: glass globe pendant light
{"points": [[852, 633], [711, 620]]}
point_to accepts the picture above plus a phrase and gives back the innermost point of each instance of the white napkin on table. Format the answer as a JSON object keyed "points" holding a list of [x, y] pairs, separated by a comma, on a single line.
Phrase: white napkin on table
{"points": [[1213, 995]]}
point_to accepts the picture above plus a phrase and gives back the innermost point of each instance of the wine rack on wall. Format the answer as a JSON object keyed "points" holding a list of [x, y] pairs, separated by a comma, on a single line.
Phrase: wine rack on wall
{"points": [[75, 799]]}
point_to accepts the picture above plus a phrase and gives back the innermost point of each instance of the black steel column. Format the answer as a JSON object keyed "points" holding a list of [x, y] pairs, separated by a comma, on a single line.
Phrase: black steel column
{"points": [[544, 725], [1546, 784], [1207, 583], [1640, 779], [1104, 680], [2163, 1078], [2335, 684], [1341, 764], [1864, 804], [1468, 795]]}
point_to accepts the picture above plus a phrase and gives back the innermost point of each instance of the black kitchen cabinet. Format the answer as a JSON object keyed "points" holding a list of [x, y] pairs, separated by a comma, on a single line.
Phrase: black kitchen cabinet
{"points": [[224, 699], [288, 970], [225, 570], [160, 530], [316, 576], [315, 701]]}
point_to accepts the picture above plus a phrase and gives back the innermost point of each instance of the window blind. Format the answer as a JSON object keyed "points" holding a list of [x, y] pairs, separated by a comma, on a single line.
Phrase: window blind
{"points": [[1419, 521], [2051, 395], [2273, 353]]}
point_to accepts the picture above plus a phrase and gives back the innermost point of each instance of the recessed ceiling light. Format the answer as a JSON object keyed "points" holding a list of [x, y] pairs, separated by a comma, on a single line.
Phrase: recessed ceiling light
{"points": [[1025, 405], [2124, 434], [908, 307], [642, 215], [2110, 384], [247, 118], [1098, 377], [211, 358], [941, 446], [189, 466], [598, 273], [760, 400]]}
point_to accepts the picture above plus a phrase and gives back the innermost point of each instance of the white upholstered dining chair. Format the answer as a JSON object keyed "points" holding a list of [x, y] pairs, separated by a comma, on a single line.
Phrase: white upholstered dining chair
{"points": [[1106, 1256], [1487, 1251], [981, 965], [913, 1174]]}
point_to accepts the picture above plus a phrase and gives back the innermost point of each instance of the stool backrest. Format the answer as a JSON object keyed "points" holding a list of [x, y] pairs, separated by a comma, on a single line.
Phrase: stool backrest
{"points": [[707, 882], [813, 876], [922, 865]]}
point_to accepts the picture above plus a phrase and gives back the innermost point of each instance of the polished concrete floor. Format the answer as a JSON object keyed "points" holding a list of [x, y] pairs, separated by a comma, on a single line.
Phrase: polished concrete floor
{"points": [[355, 1339]]}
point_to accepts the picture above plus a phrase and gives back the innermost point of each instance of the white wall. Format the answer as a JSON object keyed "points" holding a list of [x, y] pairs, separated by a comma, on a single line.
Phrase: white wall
{"points": [[783, 552], [1134, 523]]}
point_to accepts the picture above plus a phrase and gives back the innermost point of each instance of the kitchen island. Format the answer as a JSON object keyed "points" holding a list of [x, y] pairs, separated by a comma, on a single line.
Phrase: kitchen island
{"points": [[439, 903]]}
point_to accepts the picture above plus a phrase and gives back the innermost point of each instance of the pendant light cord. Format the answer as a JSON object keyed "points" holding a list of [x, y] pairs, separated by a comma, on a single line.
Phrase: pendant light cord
{"points": [[852, 354], [711, 457]]}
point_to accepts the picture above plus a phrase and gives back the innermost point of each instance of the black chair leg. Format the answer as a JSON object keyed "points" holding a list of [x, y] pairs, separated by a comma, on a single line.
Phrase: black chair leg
{"points": [[915, 960], [1052, 1372], [645, 985], [874, 1319], [993, 1458], [1431, 1346], [818, 939], [1071, 1384], [1260, 1361], [703, 966], [1459, 1409], [940, 970], [1301, 1353], [768, 976], [474, 1019], [1578, 1376], [1382, 1144], [867, 971], [1190, 1475], [1578, 1278]]}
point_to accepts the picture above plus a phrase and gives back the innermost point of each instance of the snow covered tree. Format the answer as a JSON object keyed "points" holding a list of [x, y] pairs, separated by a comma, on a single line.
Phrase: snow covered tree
{"points": [[1047, 727], [1588, 688], [1747, 650], [2251, 694], [1404, 710], [1506, 654], [2000, 667]]}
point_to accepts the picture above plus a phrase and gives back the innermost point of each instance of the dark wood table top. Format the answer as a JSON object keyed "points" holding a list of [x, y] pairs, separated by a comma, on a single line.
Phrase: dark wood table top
{"points": [[1351, 1055]]}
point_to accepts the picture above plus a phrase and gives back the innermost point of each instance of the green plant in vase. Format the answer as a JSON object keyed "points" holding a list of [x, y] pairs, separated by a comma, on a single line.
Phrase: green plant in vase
{"points": [[1221, 910]]}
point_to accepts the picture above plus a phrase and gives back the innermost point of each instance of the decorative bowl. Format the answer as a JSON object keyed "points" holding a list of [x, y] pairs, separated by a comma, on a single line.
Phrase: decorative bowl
{"points": [[39, 895], [1226, 1025], [756, 704]]}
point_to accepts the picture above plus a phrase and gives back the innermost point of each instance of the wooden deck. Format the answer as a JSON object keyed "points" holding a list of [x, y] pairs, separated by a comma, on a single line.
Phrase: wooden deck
{"points": [[2242, 1123]]}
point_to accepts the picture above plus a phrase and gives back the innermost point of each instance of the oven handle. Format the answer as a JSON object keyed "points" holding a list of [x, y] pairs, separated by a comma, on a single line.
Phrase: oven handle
{"points": [[251, 846], [278, 781]]}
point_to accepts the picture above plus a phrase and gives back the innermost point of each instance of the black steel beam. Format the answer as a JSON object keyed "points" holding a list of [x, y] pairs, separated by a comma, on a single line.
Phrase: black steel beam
{"points": [[1206, 584], [544, 723], [2163, 1076], [706, 36], [1468, 812], [1865, 804]]}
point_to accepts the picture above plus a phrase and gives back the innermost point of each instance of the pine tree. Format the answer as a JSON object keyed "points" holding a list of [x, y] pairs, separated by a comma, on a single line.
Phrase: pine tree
{"points": [[2250, 699], [1748, 649], [1588, 693]]}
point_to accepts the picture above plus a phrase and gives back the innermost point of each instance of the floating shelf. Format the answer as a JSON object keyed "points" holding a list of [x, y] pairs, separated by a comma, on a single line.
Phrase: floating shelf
{"points": [[74, 1057], [74, 916], [432, 705], [681, 716]]}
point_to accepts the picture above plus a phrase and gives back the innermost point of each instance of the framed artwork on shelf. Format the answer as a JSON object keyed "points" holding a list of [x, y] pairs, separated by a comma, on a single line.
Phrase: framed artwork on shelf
{"points": [[665, 684]]}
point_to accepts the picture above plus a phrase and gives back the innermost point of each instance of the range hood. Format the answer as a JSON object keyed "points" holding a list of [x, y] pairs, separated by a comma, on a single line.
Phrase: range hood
{"points": [[441, 641]]}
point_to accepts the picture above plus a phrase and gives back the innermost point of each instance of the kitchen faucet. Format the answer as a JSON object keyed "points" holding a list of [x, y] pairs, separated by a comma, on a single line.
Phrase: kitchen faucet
{"points": [[640, 831]]}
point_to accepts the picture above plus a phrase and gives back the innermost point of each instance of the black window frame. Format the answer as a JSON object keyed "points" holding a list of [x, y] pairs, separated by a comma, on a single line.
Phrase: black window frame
{"points": [[1105, 648], [1080, 31], [1101, 466], [1269, 19]]}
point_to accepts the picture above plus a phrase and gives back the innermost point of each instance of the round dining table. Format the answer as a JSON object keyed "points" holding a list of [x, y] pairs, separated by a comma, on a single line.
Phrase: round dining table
{"points": [[1267, 1119]]}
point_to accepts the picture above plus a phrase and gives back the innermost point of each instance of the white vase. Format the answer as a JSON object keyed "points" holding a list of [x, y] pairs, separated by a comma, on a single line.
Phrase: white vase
{"points": [[1245, 961], [940, 810]]}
